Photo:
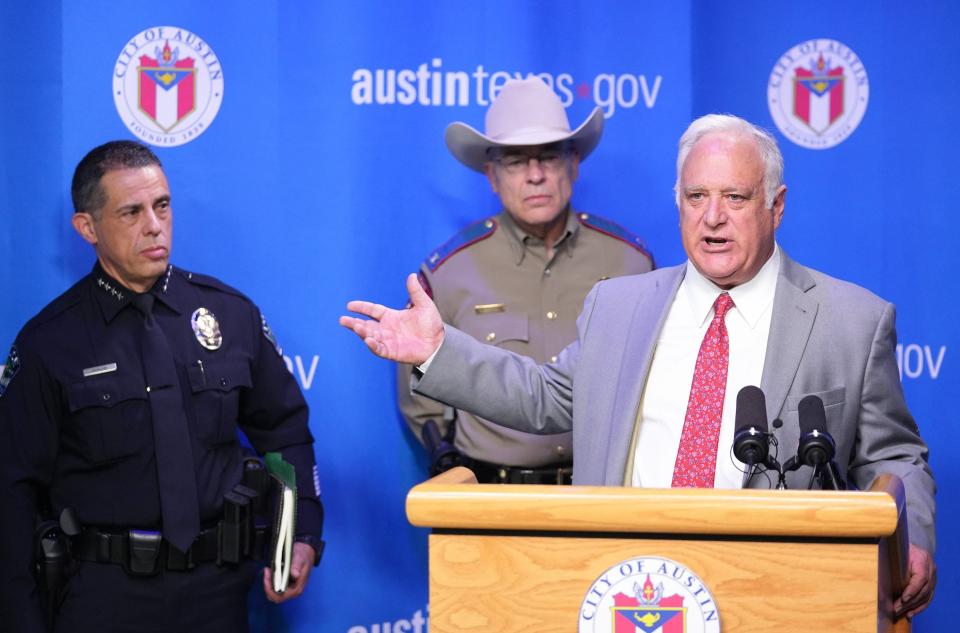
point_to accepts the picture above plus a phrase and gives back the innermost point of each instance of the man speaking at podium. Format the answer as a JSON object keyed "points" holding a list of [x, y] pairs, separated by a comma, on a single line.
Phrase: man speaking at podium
{"points": [[649, 386]]}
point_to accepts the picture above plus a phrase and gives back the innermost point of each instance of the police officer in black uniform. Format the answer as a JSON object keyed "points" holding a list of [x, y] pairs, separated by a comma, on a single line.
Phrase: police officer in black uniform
{"points": [[120, 405]]}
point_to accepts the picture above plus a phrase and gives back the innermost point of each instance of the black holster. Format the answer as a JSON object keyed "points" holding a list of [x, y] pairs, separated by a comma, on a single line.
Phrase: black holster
{"points": [[440, 449], [242, 534], [53, 565]]}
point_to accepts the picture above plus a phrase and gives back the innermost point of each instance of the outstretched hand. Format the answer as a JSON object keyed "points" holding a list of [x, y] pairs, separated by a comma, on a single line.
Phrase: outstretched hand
{"points": [[409, 336]]}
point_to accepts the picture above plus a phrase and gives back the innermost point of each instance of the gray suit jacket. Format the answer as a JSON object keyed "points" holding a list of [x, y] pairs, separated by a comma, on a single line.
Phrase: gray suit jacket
{"points": [[827, 337]]}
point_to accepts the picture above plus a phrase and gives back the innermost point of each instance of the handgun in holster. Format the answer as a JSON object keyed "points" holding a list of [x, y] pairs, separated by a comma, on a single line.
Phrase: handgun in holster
{"points": [[53, 562], [443, 454]]}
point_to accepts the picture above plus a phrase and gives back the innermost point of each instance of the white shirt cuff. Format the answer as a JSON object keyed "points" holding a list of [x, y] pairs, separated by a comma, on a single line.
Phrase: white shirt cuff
{"points": [[422, 368]]}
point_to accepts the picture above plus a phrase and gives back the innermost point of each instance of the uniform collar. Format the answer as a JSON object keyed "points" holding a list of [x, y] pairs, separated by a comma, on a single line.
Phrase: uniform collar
{"points": [[520, 241], [113, 297]]}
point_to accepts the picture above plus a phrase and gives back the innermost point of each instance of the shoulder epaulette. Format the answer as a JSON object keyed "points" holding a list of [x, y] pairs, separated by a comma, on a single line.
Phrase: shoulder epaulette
{"points": [[71, 297], [471, 235], [208, 281], [614, 230]]}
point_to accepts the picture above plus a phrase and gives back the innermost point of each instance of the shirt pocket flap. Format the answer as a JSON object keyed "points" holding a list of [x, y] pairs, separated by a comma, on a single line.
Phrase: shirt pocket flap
{"points": [[104, 392], [496, 327], [221, 375]]}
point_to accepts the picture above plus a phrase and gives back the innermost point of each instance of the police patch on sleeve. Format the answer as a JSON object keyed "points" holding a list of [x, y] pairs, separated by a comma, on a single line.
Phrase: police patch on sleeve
{"points": [[10, 369], [268, 334]]}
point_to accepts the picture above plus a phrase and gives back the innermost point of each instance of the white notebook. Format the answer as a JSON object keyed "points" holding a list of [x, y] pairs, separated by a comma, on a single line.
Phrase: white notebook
{"points": [[284, 481]]}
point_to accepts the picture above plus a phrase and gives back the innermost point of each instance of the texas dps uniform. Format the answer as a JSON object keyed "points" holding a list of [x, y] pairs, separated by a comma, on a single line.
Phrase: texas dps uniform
{"points": [[77, 432], [494, 282]]}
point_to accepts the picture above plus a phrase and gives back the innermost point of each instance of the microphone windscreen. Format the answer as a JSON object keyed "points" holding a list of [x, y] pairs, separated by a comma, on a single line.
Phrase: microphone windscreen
{"points": [[751, 408], [811, 414]]}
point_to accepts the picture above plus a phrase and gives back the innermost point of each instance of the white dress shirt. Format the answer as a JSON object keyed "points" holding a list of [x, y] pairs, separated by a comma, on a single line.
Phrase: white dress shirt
{"points": [[663, 405]]}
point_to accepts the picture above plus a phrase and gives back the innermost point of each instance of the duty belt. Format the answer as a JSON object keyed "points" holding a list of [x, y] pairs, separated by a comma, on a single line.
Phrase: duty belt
{"points": [[238, 536], [145, 553], [501, 474]]}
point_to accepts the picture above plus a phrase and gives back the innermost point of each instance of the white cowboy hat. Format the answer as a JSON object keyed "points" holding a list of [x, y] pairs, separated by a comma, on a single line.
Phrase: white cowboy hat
{"points": [[526, 112]]}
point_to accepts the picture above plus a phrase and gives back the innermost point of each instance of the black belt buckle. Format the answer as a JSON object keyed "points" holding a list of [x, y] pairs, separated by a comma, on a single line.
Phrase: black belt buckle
{"points": [[143, 553], [524, 476], [550, 475]]}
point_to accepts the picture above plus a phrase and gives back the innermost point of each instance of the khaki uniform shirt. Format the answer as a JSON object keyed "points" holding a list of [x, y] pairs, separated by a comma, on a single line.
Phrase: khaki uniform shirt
{"points": [[494, 282]]}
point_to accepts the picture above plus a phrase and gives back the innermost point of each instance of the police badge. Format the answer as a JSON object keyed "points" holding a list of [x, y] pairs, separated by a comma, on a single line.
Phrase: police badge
{"points": [[206, 328]]}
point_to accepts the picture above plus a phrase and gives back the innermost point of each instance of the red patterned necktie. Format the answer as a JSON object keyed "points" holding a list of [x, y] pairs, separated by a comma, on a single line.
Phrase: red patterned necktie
{"points": [[696, 464]]}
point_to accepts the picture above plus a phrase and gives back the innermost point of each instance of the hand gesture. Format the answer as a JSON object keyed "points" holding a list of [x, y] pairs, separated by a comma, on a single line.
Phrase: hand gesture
{"points": [[409, 336]]}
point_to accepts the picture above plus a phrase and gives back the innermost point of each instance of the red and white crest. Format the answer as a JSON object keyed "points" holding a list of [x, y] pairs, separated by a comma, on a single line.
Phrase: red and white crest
{"points": [[648, 595], [818, 93], [168, 91], [167, 85]]}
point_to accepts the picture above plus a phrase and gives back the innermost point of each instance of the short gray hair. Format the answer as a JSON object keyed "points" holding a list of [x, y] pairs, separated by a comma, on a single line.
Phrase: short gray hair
{"points": [[729, 124]]}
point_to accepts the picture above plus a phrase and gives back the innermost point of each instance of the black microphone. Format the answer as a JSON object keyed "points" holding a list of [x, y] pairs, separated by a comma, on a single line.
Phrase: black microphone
{"points": [[751, 444], [751, 437], [817, 447]]}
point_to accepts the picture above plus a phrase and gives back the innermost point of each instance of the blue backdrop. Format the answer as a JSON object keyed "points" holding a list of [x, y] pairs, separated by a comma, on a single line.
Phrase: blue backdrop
{"points": [[323, 177]]}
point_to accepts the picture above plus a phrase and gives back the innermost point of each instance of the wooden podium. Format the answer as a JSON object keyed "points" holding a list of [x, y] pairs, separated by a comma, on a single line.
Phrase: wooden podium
{"points": [[522, 558]]}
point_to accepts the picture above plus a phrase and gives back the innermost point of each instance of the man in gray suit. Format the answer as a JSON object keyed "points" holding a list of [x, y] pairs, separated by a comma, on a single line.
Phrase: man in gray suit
{"points": [[639, 390]]}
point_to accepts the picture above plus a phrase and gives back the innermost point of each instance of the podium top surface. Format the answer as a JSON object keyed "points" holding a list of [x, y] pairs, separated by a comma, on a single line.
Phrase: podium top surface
{"points": [[454, 500]]}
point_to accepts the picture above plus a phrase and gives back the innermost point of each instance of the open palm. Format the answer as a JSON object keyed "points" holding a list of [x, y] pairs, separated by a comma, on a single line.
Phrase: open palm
{"points": [[407, 336]]}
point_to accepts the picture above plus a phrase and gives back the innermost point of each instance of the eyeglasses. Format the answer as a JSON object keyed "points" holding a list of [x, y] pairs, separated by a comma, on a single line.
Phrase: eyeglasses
{"points": [[518, 162]]}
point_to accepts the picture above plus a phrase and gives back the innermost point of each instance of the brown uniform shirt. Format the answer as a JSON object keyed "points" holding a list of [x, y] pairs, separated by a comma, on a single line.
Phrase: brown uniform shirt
{"points": [[494, 282]]}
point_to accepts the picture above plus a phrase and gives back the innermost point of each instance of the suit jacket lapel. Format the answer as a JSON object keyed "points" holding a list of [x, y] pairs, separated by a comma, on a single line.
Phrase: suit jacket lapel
{"points": [[648, 317], [794, 312]]}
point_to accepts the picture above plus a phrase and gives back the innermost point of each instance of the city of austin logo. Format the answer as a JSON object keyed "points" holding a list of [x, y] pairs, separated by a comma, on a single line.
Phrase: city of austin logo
{"points": [[817, 93], [167, 85], [648, 595]]}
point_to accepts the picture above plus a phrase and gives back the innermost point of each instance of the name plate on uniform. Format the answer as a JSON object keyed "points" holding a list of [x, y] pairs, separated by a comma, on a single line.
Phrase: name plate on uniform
{"points": [[99, 369], [487, 308]]}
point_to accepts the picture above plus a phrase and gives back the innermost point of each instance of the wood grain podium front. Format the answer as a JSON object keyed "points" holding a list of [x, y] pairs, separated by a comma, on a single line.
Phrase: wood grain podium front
{"points": [[522, 558]]}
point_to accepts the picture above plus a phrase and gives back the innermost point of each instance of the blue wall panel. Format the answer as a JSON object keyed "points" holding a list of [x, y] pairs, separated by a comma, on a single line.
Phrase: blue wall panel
{"points": [[305, 196]]}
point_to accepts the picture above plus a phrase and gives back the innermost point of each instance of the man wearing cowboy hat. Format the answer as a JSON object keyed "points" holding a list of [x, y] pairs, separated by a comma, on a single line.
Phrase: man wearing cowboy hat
{"points": [[517, 280]]}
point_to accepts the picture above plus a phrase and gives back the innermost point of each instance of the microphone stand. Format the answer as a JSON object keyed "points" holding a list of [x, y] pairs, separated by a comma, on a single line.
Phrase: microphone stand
{"points": [[792, 464], [770, 464], [773, 464], [829, 477]]}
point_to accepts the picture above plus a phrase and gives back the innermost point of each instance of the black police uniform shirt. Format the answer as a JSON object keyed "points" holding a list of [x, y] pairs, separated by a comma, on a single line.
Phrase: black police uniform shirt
{"points": [[86, 441]]}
